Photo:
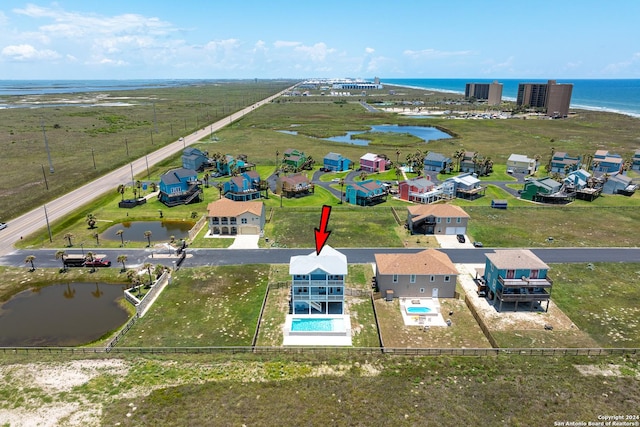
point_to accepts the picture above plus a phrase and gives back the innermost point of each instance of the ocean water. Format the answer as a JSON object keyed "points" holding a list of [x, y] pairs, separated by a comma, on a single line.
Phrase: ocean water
{"points": [[618, 96]]}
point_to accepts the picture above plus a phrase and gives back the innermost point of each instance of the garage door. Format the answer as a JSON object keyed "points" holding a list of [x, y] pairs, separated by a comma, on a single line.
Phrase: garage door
{"points": [[248, 229], [455, 230]]}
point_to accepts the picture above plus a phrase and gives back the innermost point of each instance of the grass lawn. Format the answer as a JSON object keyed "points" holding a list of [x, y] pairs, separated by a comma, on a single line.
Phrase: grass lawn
{"points": [[204, 306], [507, 390], [604, 300], [464, 331]]}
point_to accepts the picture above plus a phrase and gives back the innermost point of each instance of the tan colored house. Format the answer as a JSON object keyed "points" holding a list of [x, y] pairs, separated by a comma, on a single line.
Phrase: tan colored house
{"points": [[426, 274], [295, 185], [228, 217], [437, 219]]}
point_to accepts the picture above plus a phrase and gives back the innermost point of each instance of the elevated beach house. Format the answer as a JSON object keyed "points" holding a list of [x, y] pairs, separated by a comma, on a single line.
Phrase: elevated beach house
{"points": [[436, 162], [366, 193], [419, 190], [563, 163], [536, 189], [437, 219], [372, 163], [179, 187], [426, 274], [194, 159], [617, 183], [517, 276], [317, 282], [295, 185], [606, 162], [464, 186], [294, 159], [243, 187], [227, 217], [522, 164], [334, 162], [635, 161]]}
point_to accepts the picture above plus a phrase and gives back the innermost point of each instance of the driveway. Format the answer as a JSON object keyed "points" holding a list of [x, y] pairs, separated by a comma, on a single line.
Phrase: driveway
{"points": [[245, 241], [451, 241]]}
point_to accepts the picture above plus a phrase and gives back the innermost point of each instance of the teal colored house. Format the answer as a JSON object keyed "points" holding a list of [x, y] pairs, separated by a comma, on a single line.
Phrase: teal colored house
{"points": [[515, 276], [228, 165], [294, 158], [366, 193], [179, 187], [243, 187], [194, 159], [563, 163], [635, 162], [336, 163]]}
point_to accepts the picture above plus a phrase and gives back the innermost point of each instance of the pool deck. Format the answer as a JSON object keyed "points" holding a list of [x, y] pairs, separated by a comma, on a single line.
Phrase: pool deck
{"points": [[434, 318], [317, 338]]}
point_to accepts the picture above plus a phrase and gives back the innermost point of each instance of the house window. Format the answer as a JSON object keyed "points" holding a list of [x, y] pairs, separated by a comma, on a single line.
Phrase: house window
{"points": [[395, 278], [243, 220], [534, 274], [422, 290], [447, 278], [432, 278], [412, 278], [448, 220], [438, 220], [511, 274], [458, 220]]}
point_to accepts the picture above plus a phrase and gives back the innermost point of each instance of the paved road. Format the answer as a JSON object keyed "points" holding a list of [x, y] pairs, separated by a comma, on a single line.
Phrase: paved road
{"points": [[212, 257], [36, 219]]}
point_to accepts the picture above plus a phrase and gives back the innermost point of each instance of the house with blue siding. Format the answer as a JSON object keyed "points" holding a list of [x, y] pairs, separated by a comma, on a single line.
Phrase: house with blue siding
{"points": [[179, 187], [243, 187], [563, 163], [336, 163], [576, 180], [366, 193], [605, 162], [619, 184], [515, 276], [436, 162], [194, 159], [635, 161], [465, 186], [228, 165]]}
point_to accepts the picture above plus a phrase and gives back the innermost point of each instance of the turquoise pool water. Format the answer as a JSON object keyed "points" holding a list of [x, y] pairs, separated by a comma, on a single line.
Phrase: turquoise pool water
{"points": [[301, 324], [418, 310]]}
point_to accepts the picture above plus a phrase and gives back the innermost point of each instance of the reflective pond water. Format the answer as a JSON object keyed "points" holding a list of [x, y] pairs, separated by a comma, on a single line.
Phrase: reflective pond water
{"points": [[161, 231], [61, 315], [426, 133]]}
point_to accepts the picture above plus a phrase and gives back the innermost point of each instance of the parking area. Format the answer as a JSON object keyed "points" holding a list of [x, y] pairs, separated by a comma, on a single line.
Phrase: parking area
{"points": [[451, 241]]}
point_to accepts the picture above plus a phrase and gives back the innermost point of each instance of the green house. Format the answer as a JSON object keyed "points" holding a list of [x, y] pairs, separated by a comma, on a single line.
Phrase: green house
{"points": [[294, 158], [535, 188]]}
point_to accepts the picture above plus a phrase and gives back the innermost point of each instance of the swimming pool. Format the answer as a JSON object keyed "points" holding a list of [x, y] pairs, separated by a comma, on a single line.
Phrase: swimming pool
{"points": [[317, 324], [418, 310]]}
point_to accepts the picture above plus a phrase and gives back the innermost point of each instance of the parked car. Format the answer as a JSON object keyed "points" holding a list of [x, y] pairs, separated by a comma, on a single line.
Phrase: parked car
{"points": [[97, 263], [3, 225], [509, 170], [461, 238], [478, 244]]}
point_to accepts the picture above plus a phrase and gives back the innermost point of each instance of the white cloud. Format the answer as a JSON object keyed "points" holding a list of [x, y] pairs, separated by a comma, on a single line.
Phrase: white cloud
{"points": [[26, 52], [369, 50], [316, 53], [627, 66], [434, 53], [284, 44]]}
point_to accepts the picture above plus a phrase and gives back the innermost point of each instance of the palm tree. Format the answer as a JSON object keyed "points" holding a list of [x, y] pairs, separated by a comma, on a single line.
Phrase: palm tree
{"points": [[122, 259], [29, 260], [121, 234], [91, 221], [68, 237], [60, 255], [90, 257], [363, 175], [139, 185], [153, 187], [341, 189], [220, 187], [121, 189], [206, 180], [148, 266], [147, 234], [97, 237]]}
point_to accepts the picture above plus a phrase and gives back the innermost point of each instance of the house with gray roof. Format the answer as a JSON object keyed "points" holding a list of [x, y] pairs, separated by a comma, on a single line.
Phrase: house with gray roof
{"points": [[436, 162], [619, 184]]}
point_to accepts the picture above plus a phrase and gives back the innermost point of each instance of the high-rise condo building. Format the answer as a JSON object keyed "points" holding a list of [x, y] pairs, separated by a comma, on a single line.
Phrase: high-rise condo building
{"points": [[490, 92], [554, 97]]}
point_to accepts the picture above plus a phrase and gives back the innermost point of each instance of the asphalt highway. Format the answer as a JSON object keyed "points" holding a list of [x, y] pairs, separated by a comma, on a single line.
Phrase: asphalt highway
{"points": [[212, 257], [36, 219]]}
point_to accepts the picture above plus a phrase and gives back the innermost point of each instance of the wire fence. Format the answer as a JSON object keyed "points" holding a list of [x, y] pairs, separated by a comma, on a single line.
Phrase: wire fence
{"points": [[327, 350]]}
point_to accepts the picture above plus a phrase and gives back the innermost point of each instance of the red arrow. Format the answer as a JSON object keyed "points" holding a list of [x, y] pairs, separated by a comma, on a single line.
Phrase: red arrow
{"points": [[321, 233]]}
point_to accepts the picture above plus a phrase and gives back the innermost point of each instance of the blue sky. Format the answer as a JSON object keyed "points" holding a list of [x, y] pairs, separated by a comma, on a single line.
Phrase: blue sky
{"points": [[80, 39]]}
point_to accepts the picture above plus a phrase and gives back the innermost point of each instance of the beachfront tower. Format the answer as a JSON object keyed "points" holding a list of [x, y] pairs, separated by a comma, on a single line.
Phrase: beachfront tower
{"points": [[490, 92], [553, 97]]}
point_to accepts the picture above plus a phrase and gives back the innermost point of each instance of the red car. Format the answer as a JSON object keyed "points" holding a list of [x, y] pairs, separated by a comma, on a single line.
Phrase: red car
{"points": [[97, 263]]}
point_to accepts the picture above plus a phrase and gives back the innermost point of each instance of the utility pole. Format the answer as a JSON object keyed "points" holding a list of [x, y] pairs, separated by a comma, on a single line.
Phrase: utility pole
{"points": [[155, 120], [132, 179], [93, 156], [46, 145], [127, 145], [46, 217], [45, 177], [147, 161]]}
